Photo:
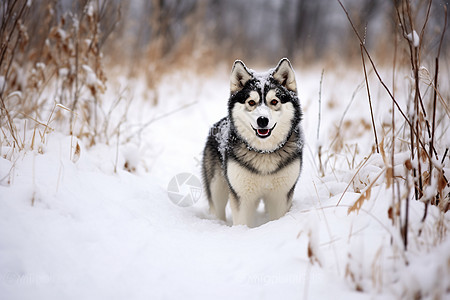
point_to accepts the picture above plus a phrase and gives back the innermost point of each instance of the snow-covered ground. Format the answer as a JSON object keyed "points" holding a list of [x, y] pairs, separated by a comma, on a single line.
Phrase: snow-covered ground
{"points": [[71, 227]]}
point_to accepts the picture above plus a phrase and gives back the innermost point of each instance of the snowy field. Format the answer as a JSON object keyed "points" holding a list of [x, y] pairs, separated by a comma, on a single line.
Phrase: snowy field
{"points": [[77, 224]]}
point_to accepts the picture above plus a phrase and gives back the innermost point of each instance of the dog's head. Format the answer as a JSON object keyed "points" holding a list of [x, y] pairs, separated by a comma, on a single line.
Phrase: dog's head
{"points": [[264, 107]]}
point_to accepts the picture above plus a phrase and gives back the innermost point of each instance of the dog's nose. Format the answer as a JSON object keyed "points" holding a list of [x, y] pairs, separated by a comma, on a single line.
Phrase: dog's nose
{"points": [[262, 121]]}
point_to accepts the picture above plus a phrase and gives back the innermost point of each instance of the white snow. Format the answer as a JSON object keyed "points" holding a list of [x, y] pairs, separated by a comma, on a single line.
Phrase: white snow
{"points": [[40, 66], [63, 72], [90, 10], [262, 77], [62, 33], [414, 38], [223, 131], [2, 83], [15, 94], [91, 78], [76, 229]]}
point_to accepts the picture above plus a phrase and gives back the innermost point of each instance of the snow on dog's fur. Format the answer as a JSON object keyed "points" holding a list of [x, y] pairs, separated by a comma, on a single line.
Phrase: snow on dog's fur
{"points": [[255, 153]]}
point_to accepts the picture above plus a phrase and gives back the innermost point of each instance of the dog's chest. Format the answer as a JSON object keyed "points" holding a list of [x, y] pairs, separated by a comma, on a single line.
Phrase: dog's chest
{"points": [[247, 183], [265, 163]]}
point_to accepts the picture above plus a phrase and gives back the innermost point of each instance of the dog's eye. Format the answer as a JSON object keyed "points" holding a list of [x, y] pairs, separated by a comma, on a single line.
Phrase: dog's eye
{"points": [[274, 102], [251, 103]]}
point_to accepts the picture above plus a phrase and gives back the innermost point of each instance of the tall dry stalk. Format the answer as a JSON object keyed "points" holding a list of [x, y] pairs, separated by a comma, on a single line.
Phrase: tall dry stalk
{"points": [[429, 181], [13, 38]]}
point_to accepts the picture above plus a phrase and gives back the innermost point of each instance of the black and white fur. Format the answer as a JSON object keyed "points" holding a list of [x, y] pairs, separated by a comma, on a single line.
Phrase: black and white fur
{"points": [[255, 153]]}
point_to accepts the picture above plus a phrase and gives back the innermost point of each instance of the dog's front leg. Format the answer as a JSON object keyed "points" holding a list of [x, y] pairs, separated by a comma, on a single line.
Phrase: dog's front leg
{"points": [[243, 210], [277, 204]]}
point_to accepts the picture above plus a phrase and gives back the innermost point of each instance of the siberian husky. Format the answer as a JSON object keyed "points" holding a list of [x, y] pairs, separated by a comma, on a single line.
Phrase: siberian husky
{"points": [[255, 153]]}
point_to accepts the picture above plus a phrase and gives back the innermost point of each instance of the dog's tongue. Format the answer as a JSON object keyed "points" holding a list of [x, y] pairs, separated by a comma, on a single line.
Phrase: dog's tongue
{"points": [[263, 131]]}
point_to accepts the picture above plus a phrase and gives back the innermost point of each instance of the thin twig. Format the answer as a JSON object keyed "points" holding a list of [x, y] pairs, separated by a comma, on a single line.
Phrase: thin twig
{"points": [[436, 73], [394, 207], [138, 132], [353, 178], [370, 100], [320, 104], [378, 74], [373, 64], [319, 146], [341, 121]]}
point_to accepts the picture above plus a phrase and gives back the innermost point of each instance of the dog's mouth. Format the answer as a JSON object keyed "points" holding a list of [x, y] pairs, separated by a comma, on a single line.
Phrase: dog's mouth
{"points": [[263, 132]]}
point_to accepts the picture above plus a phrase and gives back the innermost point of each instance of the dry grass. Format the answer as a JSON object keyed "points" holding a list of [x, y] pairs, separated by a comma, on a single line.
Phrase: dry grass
{"points": [[414, 154], [428, 155], [55, 63]]}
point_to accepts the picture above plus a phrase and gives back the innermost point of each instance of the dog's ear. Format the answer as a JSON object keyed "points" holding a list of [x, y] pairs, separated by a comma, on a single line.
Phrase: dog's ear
{"points": [[239, 76], [285, 75]]}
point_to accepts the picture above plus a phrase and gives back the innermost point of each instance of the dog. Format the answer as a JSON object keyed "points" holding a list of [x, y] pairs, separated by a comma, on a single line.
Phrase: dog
{"points": [[255, 153]]}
